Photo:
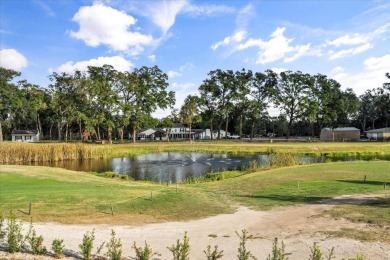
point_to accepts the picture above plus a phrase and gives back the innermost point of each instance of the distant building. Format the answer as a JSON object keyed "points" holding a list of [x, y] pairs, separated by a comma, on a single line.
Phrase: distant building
{"points": [[381, 133], [340, 134], [25, 136]]}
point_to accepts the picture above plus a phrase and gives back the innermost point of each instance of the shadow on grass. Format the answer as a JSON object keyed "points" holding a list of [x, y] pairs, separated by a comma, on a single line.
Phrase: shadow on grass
{"points": [[288, 198], [365, 200], [376, 183]]}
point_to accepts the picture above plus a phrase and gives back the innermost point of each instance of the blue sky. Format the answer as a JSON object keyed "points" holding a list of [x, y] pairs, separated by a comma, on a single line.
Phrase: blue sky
{"points": [[346, 40]]}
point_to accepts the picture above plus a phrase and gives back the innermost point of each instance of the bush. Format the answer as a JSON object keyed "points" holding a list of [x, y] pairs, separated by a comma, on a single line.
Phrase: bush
{"points": [[283, 160], [114, 247], [316, 253], [143, 253], [35, 242], [58, 248], [215, 254], [14, 234], [87, 245], [243, 253], [180, 251]]}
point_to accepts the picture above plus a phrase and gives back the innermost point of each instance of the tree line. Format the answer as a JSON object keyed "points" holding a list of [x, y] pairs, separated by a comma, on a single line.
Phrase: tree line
{"points": [[104, 103]]}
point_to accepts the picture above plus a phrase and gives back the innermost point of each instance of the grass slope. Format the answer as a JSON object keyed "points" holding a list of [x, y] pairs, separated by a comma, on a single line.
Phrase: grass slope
{"points": [[73, 197]]}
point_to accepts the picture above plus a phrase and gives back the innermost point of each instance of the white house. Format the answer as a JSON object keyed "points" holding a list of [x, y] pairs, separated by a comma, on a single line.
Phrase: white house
{"points": [[381, 133], [25, 136], [151, 134]]}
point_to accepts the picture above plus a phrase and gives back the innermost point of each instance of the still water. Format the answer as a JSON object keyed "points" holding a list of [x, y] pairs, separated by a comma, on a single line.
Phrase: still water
{"points": [[174, 166]]}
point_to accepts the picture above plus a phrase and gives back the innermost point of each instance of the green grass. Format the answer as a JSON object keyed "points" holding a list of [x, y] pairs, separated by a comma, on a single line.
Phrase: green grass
{"points": [[73, 197]]}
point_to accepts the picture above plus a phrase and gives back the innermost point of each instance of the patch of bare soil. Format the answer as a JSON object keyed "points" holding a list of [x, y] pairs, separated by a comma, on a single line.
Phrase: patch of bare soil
{"points": [[297, 226]]}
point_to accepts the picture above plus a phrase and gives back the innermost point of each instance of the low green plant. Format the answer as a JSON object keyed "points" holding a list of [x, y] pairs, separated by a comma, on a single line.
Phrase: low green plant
{"points": [[35, 242], [243, 253], [114, 247], [359, 257], [14, 234], [213, 255], [278, 252], [2, 228], [180, 251], [87, 245], [58, 248], [143, 253], [316, 253]]}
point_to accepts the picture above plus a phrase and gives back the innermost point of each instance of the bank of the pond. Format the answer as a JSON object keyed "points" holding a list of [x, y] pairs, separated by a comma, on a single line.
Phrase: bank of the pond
{"points": [[35, 152]]}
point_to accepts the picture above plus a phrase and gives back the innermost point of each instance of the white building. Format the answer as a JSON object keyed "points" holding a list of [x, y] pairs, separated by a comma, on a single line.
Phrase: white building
{"points": [[25, 136]]}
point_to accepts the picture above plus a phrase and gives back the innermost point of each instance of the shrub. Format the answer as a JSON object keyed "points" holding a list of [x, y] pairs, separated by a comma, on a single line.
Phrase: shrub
{"points": [[215, 254], [243, 253], [14, 234], [180, 251], [87, 245], [58, 248], [35, 242], [283, 160], [114, 247], [143, 253], [2, 228], [278, 253]]}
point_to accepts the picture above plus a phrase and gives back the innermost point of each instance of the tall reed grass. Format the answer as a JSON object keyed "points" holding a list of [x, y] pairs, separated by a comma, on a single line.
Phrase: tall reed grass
{"points": [[27, 152]]}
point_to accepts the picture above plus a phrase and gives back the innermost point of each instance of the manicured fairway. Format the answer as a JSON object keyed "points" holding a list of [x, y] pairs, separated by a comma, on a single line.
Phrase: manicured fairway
{"points": [[73, 197]]}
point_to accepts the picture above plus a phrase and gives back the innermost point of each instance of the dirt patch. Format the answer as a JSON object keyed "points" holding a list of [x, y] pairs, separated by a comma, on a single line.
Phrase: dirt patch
{"points": [[297, 226]]}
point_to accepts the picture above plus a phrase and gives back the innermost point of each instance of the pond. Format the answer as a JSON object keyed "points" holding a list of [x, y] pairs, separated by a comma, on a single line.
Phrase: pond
{"points": [[176, 167]]}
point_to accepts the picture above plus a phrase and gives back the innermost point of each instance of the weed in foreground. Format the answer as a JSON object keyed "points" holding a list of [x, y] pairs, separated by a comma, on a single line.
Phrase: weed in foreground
{"points": [[143, 253], [58, 248], [243, 253], [87, 245], [35, 242], [180, 251], [114, 247], [316, 253], [278, 252], [14, 234], [213, 255]]}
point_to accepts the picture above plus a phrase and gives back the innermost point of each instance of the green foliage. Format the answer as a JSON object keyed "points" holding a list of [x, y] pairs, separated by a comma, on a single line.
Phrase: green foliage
{"points": [[316, 253], [358, 257], [14, 234], [213, 255], [35, 242], [278, 252], [243, 253], [58, 247], [2, 227], [87, 245], [181, 250], [114, 247], [143, 253]]}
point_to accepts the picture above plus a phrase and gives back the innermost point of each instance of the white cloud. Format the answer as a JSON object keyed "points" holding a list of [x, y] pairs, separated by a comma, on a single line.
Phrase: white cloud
{"points": [[206, 10], [237, 37], [117, 62], [348, 39], [372, 75], [152, 58], [100, 24], [46, 8], [173, 74], [12, 59], [349, 52], [163, 13], [277, 47], [279, 70]]}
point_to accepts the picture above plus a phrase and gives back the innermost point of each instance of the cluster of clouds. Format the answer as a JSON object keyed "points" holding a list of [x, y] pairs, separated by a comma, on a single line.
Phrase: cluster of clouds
{"points": [[280, 47]]}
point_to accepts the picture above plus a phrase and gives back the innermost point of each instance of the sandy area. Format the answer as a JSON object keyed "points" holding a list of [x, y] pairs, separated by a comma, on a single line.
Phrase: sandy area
{"points": [[297, 226]]}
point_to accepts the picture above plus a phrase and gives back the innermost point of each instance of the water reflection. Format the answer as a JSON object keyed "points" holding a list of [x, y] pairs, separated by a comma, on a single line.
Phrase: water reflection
{"points": [[174, 166]]}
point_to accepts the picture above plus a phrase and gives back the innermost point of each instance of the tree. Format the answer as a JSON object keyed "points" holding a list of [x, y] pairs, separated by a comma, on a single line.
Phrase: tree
{"points": [[9, 96], [292, 94], [189, 112], [150, 93]]}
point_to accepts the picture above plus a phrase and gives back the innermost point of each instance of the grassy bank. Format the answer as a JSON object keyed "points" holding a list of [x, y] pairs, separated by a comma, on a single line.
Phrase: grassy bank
{"points": [[28, 152], [73, 197]]}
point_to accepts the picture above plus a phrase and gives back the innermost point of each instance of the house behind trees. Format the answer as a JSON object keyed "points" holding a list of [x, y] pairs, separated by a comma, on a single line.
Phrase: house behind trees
{"points": [[340, 134]]}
